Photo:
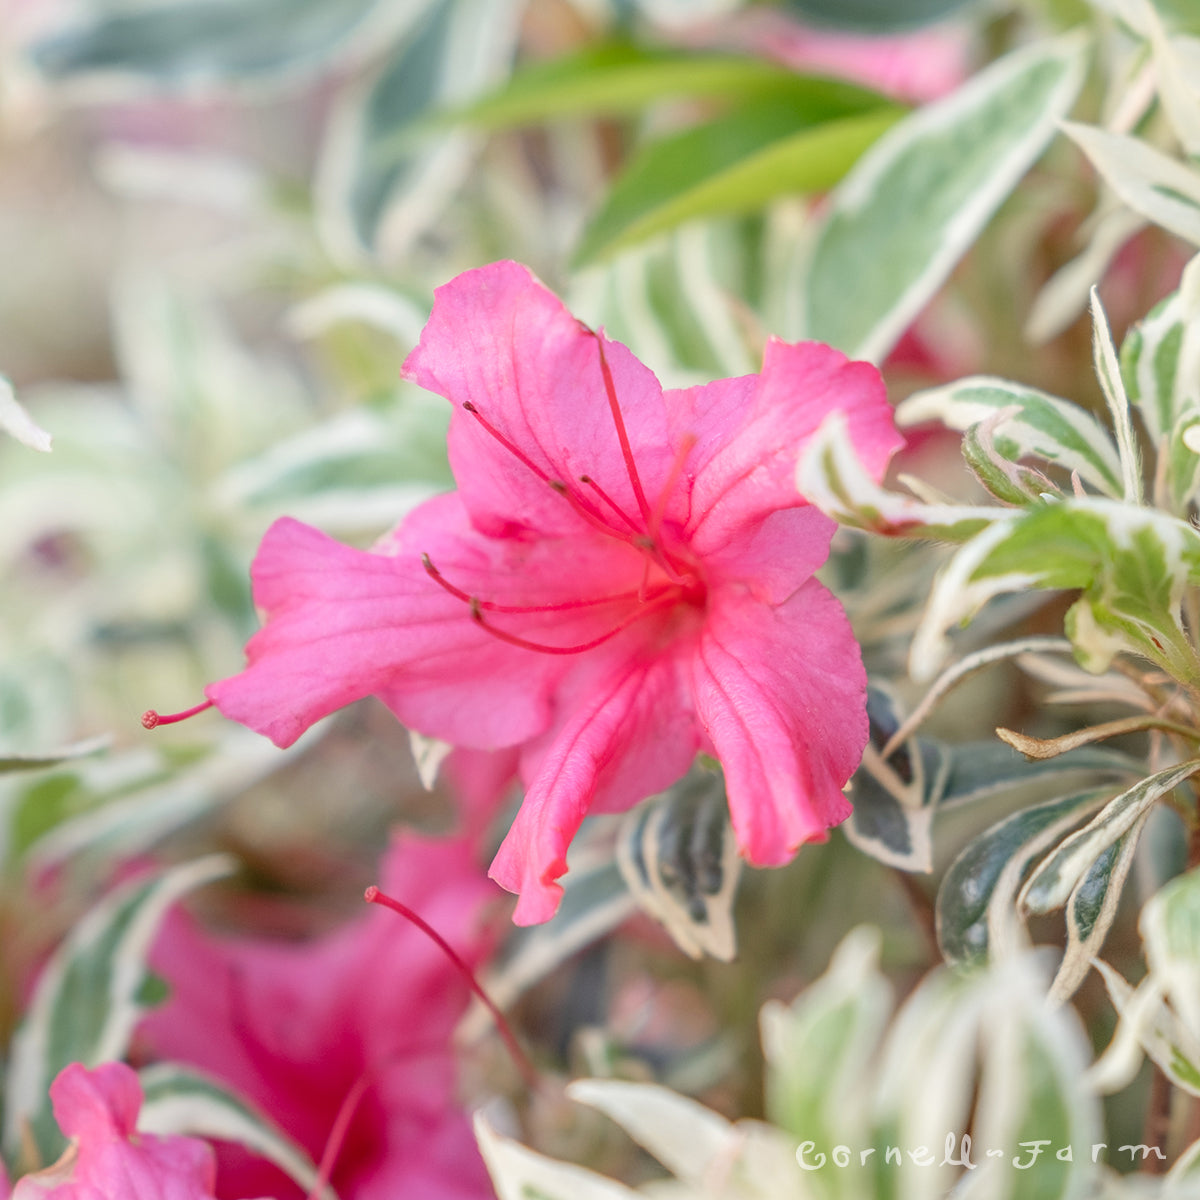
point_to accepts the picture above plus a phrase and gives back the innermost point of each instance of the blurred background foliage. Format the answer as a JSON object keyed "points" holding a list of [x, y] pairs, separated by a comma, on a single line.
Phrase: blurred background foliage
{"points": [[221, 222]]}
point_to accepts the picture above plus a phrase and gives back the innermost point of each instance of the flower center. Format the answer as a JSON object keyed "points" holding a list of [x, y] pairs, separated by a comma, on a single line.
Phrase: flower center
{"points": [[670, 577]]}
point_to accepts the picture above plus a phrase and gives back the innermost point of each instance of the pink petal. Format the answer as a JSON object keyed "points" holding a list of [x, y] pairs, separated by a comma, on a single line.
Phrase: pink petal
{"points": [[781, 693], [626, 737], [500, 340], [751, 432], [96, 1104], [345, 623], [294, 1027]]}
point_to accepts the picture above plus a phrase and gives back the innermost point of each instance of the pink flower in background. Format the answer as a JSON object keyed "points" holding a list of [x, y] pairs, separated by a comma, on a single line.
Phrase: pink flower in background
{"points": [[623, 578], [108, 1159], [356, 1024]]}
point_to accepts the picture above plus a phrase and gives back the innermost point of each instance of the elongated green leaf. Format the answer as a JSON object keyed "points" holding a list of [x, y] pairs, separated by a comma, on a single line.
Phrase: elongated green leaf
{"points": [[1091, 910], [687, 1138], [183, 43], [1162, 189], [10, 763], [734, 164], [817, 1049], [1131, 565], [918, 199], [519, 1173], [1108, 371], [679, 858], [385, 171], [179, 1100], [1043, 426], [974, 903], [90, 996], [832, 476], [1159, 360], [620, 77], [1054, 880]]}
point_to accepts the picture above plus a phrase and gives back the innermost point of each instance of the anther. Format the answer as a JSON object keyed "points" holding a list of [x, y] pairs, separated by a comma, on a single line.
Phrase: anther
{"points": [[152, 719]]}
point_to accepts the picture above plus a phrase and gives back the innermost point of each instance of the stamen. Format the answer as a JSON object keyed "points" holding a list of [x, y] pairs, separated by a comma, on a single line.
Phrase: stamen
{"points": [[492, 606], [516, 451], [337, 1133], [152, 719], [662, 601], [610, 502], [528, 1072], [622, 434], [557, 484], [686, 445]]}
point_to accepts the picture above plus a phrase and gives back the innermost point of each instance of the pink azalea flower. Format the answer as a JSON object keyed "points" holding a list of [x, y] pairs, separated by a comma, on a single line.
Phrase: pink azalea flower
{"points": [[353, 1028], [108, 1158], [623, 578]]}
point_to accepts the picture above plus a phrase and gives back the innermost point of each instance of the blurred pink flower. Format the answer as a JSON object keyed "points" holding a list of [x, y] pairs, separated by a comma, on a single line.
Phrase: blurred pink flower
{"points": [[108, 1158], [914, 66], [356, 1023], [623, 578]]}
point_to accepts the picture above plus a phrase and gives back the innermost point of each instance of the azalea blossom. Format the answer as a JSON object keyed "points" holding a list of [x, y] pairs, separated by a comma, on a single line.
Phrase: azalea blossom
{"points": [[344, 1041], [108, 1158], [623, 578]]}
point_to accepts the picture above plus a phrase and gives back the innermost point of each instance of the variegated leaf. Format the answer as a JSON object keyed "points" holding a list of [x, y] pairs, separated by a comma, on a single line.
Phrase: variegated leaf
{"points": [[1057, 877], [1092, 908], [1131, 565], [1161, 188], [832, 476], [975, 901], [915, 202], [1042, 426], [16, 421], [179, 1100], [679, 858], [89, 997]]}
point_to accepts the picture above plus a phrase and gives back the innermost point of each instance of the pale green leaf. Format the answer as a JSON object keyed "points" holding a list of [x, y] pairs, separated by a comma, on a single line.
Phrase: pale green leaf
{"points": [[1131, 565], [522, 1174], [916, 201], [1041, 425], [188, 43], [1108, 371], [1162, 189], [10, 763], [16, 421]]}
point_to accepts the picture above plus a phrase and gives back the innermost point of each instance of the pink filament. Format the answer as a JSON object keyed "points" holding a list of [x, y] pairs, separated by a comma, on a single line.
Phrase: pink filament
{"points": [[152, 719]]}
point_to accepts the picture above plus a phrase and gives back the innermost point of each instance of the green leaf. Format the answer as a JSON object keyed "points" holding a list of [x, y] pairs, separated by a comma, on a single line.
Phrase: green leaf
{"points": [[620, 77], [975, 901], [1131, 565], [734, 164], [819, 1048], [385, 169], [915, 202], [679, 858], [1055, 879], [1162, 189], [894, 798], [10, 763], [180, 1100], [831, 475], [87, 1001], [184, 43], [1091, 910], [519, 1173], [1042, 426], [1108, 371]]}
